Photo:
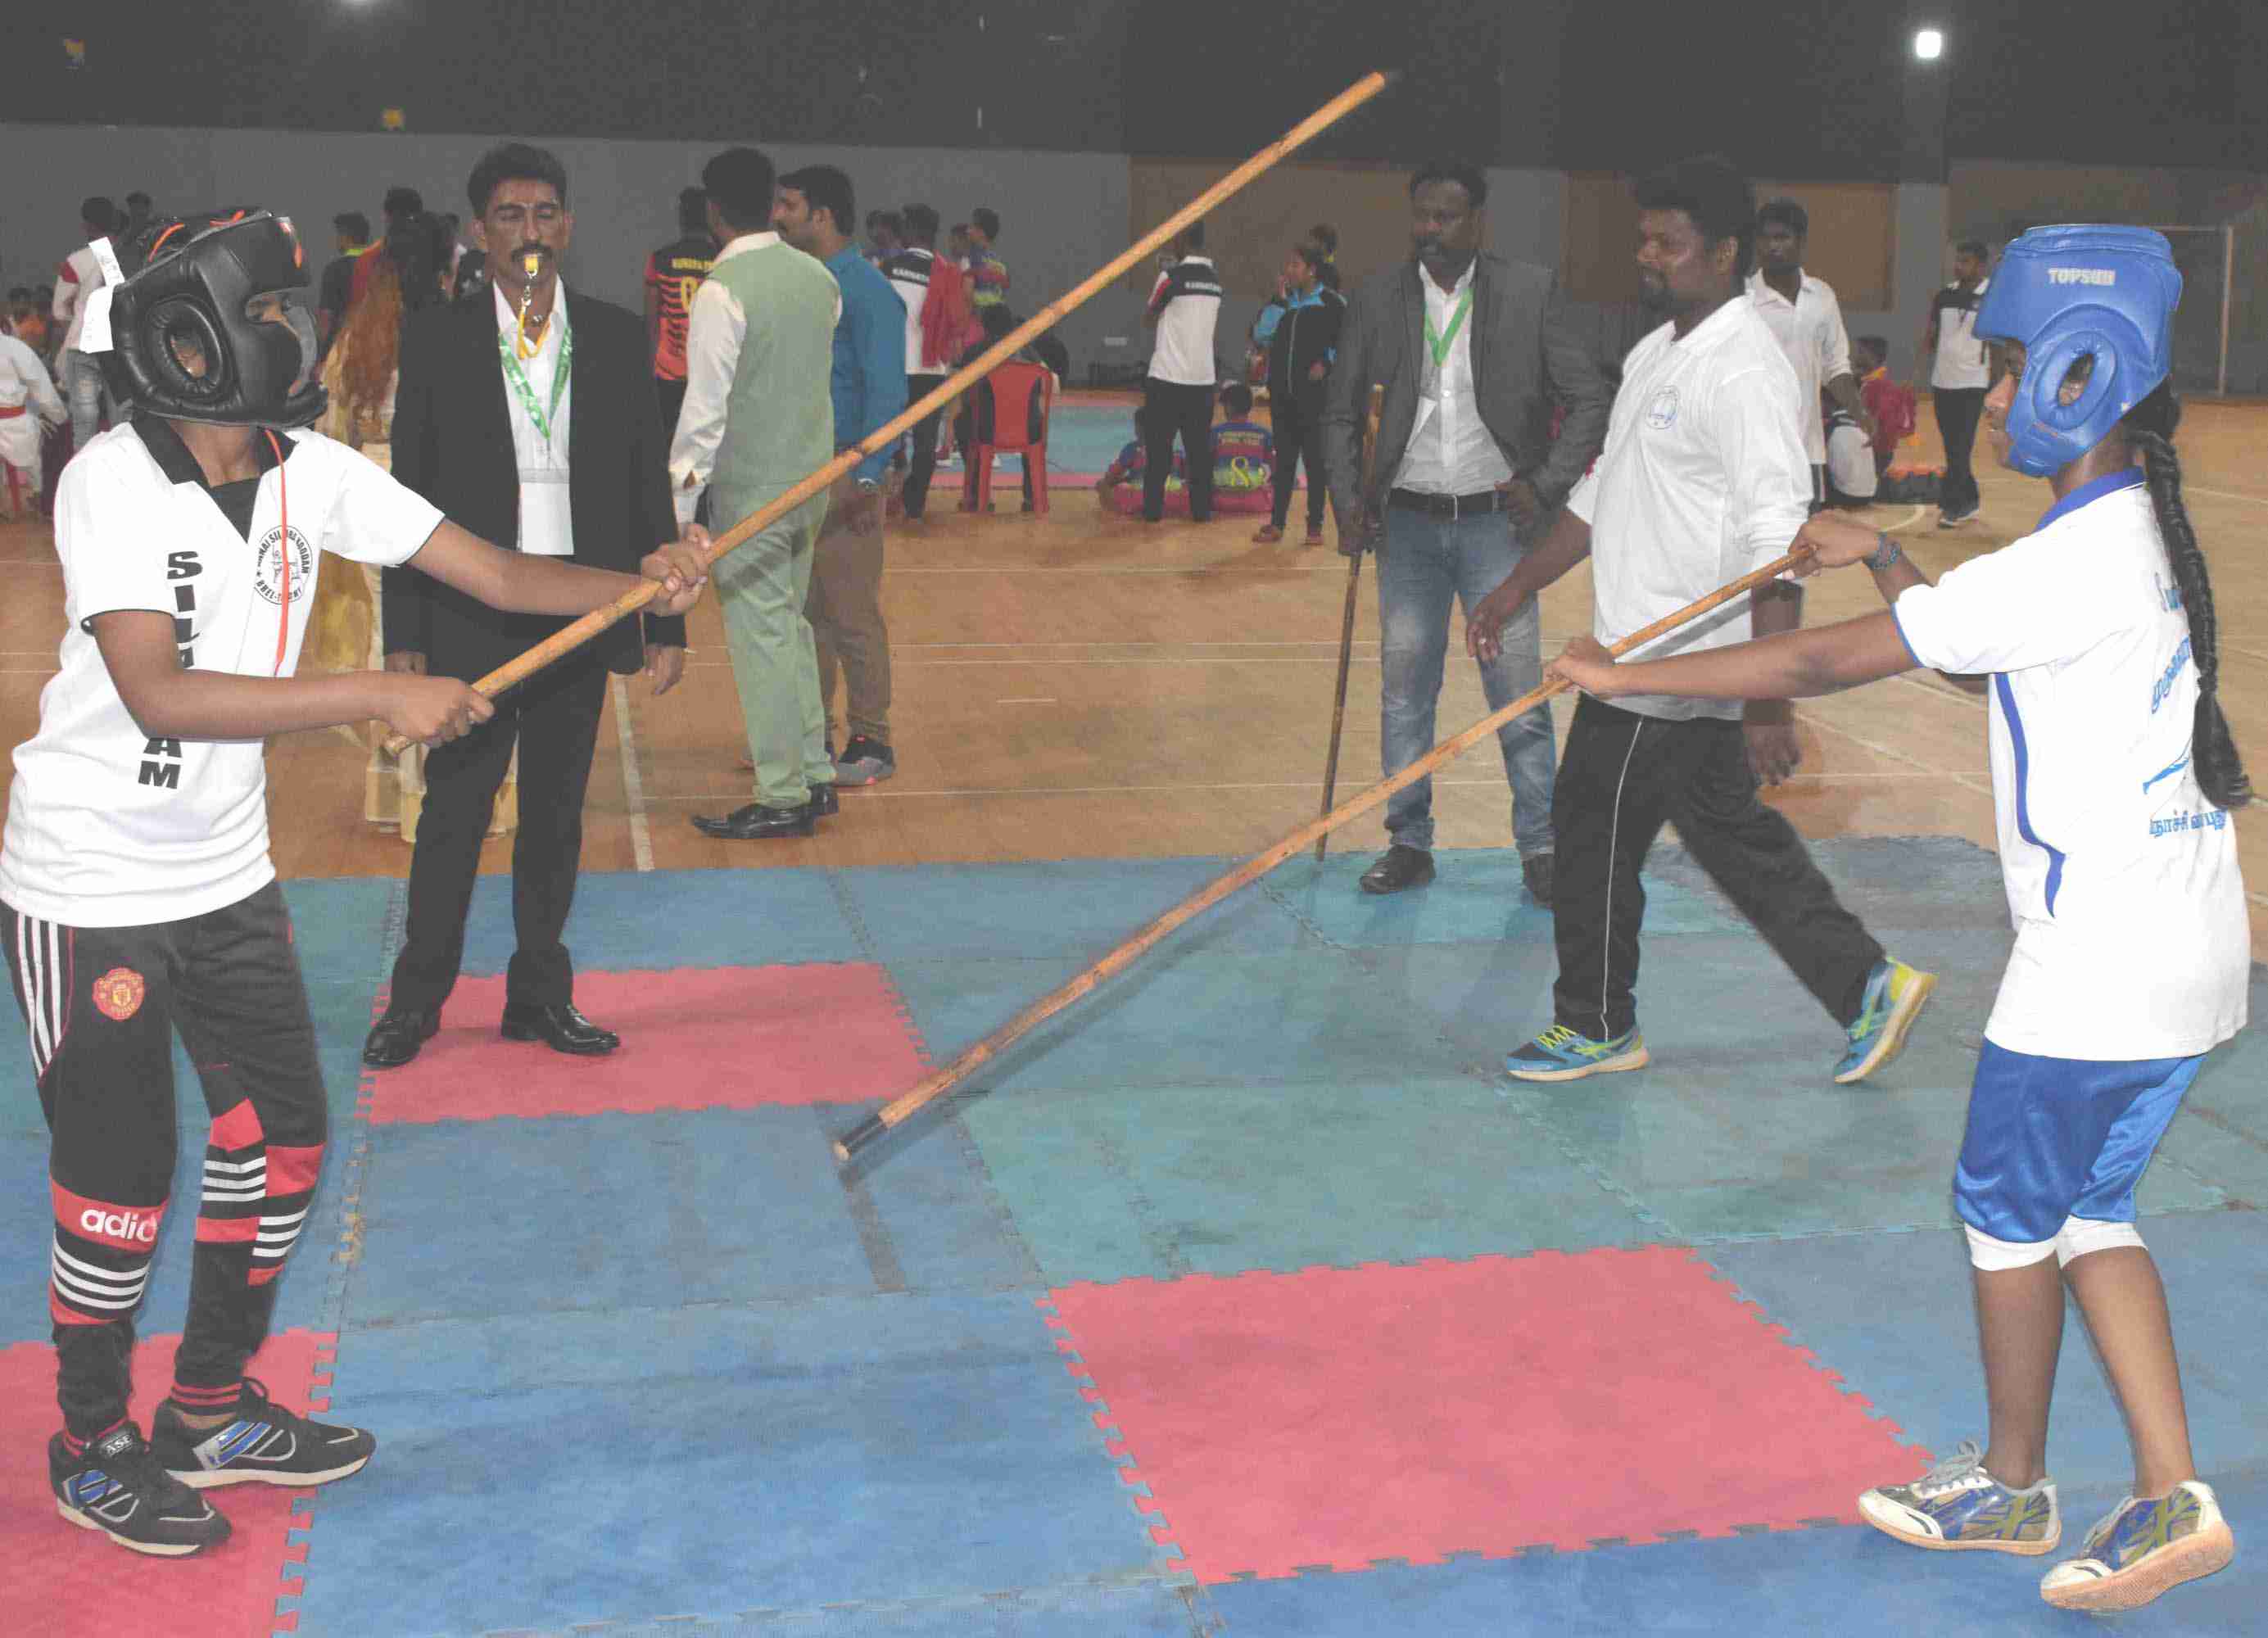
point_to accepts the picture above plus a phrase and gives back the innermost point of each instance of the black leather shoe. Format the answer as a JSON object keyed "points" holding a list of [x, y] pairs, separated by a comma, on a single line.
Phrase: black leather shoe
{"points": [[561, 1028], [1397, 869], [1535, 873], [823, 801], [758, 823], [395, 1038]]}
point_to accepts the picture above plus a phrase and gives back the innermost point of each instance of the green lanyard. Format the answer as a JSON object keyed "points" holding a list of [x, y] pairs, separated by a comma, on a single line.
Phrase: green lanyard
{"points": [[517, 377], [1439, 343]]}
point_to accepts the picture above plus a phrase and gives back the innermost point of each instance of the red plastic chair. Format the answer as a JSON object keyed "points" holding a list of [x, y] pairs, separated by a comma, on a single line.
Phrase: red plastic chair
{"points": [[1013, 388]]}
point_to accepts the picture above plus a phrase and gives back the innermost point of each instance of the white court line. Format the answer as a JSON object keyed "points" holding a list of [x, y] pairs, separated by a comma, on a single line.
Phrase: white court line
{"points": [[633, 782], [2224, 495], [1030, 700], [872, 794]]}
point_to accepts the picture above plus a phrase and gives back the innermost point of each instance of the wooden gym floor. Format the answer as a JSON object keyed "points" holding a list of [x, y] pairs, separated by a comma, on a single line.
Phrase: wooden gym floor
{"points": [[1084, 685]]}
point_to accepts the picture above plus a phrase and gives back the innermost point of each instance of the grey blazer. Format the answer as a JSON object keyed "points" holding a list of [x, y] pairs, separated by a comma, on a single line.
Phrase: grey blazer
{"points": [[1529, 353]]}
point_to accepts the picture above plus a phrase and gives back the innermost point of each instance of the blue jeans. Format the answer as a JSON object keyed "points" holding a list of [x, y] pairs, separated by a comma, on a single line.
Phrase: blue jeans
{"points": [[84, 387], [1424, 564]]}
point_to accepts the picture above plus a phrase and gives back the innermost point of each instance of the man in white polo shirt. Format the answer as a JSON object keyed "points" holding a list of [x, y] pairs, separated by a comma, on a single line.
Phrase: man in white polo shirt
{"points": [[1184, 307], [1958, 378], [1807, 322], [1703, 479]]}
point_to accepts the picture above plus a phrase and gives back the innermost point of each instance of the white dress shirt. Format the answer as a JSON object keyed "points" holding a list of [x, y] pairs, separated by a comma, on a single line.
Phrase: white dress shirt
{"points": [[547, 525], [1809, 330], [1451, 449]]}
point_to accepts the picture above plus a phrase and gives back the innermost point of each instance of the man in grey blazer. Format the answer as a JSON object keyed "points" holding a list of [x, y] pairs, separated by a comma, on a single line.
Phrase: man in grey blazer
{"points": [[1474, 353]]}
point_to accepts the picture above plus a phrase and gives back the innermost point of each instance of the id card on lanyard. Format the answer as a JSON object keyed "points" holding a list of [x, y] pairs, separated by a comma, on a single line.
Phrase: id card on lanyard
{"points": [[546, 521]]}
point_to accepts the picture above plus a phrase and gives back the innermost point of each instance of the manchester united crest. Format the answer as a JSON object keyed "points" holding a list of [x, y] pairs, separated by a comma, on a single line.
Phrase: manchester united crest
{"points": [[274, 565], [119, 993]]}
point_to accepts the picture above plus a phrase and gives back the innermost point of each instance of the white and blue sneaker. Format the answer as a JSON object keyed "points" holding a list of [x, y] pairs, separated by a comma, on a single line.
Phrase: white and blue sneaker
{"points": [[2142, 1549], [1958, 1507], [1562, 1054], [115, 1485], [261, 1443], [1896, 994]]}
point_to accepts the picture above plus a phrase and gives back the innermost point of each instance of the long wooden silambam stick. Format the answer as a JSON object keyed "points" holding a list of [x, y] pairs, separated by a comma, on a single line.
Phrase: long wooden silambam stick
{"points": [[1252, 869], [518, 670]]}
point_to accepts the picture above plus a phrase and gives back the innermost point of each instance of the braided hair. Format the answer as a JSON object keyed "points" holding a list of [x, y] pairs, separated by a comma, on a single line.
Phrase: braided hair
{"points": [[2149, 428]]}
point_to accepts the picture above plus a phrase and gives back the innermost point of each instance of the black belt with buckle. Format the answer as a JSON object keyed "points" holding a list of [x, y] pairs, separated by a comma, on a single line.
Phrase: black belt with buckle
{"points": [[1450, 506]]}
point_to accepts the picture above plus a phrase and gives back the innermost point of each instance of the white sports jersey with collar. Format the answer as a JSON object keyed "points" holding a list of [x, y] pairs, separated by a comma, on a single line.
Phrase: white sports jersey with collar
{"points": [[1703, 479], [108, 826], [2132, 940]]}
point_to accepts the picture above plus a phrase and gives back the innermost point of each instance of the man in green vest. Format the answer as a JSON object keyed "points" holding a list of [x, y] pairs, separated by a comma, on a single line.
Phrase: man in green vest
{"points": [[758, 417]]}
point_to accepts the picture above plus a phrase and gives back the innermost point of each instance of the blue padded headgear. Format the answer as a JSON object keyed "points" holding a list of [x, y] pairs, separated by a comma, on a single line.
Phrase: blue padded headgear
{"points": [[2068, 292]]}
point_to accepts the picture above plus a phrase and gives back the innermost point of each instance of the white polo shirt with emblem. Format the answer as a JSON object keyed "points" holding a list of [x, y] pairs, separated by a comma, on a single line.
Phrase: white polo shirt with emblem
{"points": [[1703, 479], [109, 827]]}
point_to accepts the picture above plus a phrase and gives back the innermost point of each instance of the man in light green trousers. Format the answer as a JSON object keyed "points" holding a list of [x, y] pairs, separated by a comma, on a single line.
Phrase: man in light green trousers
{"points": [[757, 418]]}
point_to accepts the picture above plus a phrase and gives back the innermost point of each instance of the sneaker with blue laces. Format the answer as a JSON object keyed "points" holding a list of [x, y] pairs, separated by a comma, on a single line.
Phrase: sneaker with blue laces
{"points": [[2142, 1549], [1562, 1054], [1896, 994], [1957, 1506]]}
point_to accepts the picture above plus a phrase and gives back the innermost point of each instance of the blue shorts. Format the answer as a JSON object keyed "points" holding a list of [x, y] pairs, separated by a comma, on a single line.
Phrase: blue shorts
{"points": [[2051, 1138]]}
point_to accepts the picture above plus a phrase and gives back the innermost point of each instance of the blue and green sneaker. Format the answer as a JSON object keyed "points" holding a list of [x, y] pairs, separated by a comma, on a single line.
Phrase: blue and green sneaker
{"points": [[1895, 993], [1957, 1507], [2143, 1548], [1561, 1054]]}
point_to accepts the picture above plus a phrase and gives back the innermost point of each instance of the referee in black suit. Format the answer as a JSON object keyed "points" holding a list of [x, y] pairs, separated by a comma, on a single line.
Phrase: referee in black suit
{"points": [[543, 435]]}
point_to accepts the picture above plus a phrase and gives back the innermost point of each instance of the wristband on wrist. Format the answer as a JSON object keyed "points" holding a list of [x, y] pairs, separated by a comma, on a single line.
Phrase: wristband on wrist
{"points": [[1886, 553]]}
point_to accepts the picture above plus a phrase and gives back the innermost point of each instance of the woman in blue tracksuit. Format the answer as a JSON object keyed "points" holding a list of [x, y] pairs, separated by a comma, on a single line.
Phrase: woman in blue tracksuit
{"points": [[1302, 338]]}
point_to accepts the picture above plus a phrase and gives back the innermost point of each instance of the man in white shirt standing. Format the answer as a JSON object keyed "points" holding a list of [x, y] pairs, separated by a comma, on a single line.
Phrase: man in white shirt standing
{"points": [[80, 274], [1703, 479], [1184, 307], [1474, 351], [1958, 378], [28, 404], [1807, 322]]}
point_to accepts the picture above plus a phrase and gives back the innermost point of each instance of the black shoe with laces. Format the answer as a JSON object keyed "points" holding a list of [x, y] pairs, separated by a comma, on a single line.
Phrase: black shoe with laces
{"points": [[117, 1485], [261, 1444], [1398, 868]]}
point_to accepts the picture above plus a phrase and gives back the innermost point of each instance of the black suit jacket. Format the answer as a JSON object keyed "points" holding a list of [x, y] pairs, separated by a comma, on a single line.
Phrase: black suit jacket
{"points": [[453, 444]]}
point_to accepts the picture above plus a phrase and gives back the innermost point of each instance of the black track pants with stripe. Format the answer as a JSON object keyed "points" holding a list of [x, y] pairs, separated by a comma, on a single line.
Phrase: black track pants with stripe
{"points": [[1621, 776], [101, 1005]]}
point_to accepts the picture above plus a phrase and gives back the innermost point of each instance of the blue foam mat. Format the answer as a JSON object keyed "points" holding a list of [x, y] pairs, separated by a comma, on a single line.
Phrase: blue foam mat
{"points": [[779, 1457], [1892, 1313], [464, 1219], [1849, 1581]]}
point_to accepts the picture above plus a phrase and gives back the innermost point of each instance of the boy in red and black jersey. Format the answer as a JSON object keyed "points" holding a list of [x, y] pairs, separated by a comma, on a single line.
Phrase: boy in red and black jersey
{"points": [[672, 273]]}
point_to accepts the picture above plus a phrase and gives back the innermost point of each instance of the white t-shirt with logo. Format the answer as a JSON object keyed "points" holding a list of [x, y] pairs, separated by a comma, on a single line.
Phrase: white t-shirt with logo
{"points": [[108, 826], [1703, 479], [2132, 940], [1187, 297]]}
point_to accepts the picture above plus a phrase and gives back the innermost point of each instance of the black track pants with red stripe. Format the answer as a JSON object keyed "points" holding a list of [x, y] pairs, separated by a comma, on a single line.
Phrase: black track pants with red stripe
{"points": [[102, 1005]]}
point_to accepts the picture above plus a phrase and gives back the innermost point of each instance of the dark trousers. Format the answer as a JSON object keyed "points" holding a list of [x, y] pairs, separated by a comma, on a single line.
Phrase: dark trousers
{"points": [[924, 467], [104, 1004], [1187, 410], [1298, 432], [1958, 410], [555, 719], [1620, 777], [673, 400]]}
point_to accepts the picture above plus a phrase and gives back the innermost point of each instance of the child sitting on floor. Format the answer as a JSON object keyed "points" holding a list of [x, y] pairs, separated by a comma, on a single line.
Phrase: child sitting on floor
{"points": [[1244, 451]]}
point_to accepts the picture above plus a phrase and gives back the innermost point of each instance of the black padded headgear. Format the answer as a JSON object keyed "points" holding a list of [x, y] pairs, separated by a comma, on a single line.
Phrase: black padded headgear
{"points": [[192, 279]]}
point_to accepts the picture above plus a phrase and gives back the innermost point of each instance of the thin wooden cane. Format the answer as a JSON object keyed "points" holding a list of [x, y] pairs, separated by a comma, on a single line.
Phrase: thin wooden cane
{"points": [[518, 670], [1346, 620], [1124, 957]]}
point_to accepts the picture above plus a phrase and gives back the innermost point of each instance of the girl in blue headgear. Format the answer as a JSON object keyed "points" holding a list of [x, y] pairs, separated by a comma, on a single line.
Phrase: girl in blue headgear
{"points": [[2113, 777]]}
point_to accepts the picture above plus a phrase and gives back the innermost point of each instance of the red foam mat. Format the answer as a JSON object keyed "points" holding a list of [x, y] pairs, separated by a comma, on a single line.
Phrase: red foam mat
{"points": [[703, 1038], [58, 1580], [1340, 1416]]}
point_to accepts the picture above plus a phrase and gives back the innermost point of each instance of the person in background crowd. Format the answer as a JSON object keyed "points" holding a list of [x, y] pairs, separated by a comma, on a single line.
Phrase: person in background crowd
{"points": [[868, 384], [956, 245], [1183, 309], [138, 208], [1891, 405], [401, 203], [82, 375], [351, 239], [988, 274], [1959, 375], [673, 277], [27, 400], [937, 317], [1807, 322], [1244, 451], [1302, 338], [972, 412], [1325, 238], [1131, 458], [885, 233]]}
